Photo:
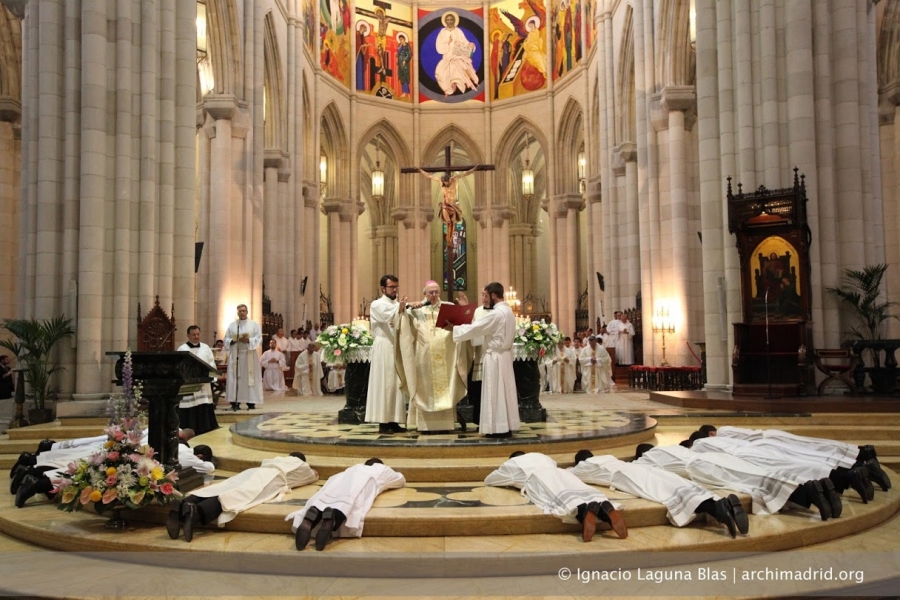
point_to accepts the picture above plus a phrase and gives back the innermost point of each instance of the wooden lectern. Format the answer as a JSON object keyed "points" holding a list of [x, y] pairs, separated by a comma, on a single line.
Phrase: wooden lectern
{"points": [[166, 375]]}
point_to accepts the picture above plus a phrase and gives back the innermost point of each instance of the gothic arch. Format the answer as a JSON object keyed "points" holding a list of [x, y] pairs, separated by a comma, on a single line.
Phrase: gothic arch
{"points": [[569, 137], [626, 120], [462, 140], [10, 56], [225, 46], [509, 152], [888, 57], [275, 118], [674, 56], [333, 142], [394, 154]]}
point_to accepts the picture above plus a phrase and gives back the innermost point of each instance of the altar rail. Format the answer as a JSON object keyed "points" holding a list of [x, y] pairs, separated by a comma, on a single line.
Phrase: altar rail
{"points": [[882, 372], [665, 378]]}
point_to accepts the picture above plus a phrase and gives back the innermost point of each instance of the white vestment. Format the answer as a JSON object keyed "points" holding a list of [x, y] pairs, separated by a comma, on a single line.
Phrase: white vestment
{"points": [[275, 365], [596, 369], [624, 336], [352, 492], [680, 496], [549, 373], [384, 400], [835, 453], [455, 69], [283, 344], [499, 402], [431, 368], [204, 394], [769, 457], [244, 382], [555, 491], [336, 378], [265, 483], [308, 374]]}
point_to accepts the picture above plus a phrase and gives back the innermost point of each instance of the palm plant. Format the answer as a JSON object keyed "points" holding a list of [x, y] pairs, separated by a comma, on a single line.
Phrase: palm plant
{"points": [[861, 291], [33, 347]]}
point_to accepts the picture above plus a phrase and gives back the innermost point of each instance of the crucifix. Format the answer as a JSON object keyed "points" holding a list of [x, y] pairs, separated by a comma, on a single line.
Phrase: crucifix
{"points": [[449, 212]]}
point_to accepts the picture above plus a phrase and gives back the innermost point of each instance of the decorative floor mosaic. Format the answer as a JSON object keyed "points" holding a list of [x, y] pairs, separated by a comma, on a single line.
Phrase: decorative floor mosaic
{"points": [[323, 428]]}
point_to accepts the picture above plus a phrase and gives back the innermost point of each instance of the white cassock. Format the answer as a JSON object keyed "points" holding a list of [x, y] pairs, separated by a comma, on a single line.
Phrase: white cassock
{"points": [[336, 378], [609, 340], [265, 483], [549, 372], [597, 377], [555, 491], [384, 400], [680, 496], [769, 457], [624, 336], [204, 394], [769, 489], [308, 374], [275, 365], [282, 344], [833, 452], [244, 382], [352, 492], [499, 403], [566, 365], [432, 369]]}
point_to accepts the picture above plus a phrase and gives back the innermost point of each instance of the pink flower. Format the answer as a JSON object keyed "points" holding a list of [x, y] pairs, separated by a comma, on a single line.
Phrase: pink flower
{"points": [[172, 476], [112, 456], [542, 352], [337, 352], [111, 480], [110, 495], [119, 436], [167, 488], [71, 468], [154, 486], [86, 495], [521, 332]]}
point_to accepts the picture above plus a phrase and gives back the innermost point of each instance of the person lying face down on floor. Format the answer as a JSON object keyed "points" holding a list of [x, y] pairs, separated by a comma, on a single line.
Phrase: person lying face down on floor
{"points": [[683, 498], [40, 474], [223, 501], [339, 509], [558, 492], [769, 489]]}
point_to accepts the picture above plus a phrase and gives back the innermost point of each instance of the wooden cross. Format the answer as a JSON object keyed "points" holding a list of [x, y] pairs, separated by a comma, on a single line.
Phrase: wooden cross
{"points": [[448, 170]]}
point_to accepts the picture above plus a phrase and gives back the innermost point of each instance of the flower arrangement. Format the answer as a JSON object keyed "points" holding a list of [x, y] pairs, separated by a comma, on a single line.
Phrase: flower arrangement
{"points": [[123, 473], [341, 342], [538, 337]]}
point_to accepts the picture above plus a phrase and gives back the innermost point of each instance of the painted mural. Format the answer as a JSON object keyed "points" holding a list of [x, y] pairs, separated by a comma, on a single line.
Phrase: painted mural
{"points": [[334, 33], [309, 25], [451, 55], [566, 38], [590, 32], [518, 55], [384, 58]]}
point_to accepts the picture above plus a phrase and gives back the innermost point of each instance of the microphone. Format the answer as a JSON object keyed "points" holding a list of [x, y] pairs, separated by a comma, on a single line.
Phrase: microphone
{"points": [[424, 304]]}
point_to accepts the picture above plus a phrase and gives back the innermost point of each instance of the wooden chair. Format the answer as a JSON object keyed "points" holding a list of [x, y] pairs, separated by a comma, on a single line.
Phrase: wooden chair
{"points": [[156, 331], [837, 365]]}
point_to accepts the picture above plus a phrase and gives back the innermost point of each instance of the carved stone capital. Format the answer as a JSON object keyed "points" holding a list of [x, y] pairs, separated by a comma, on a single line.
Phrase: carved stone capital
{"points": [[10, 109], [273, 158], [311, 194], [627, 152], [501, 213], [331, 206], [526, 229], [16, 7], [385, 231], [677, 97], [284, 173], [479, 213], [220, 106], [593, 190]]}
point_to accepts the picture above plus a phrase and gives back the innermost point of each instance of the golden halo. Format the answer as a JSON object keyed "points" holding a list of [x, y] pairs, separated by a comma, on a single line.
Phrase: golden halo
{"points": [[455, 16]]}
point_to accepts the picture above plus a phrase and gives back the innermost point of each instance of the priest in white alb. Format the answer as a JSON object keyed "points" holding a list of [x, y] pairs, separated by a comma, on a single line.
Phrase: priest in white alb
{"points": [[596, 368], [432, 370], [499, 402], [308, 372], [274, 365], [385, 404], [196, 410], [623, 332], [242, 340]]}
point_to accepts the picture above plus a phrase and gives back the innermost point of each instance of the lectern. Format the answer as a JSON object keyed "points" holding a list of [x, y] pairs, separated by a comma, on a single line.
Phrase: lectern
{"points": [[166, 375]]}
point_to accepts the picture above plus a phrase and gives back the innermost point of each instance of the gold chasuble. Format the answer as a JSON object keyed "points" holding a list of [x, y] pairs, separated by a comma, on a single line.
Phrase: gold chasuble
{"points": [[431, 368]]}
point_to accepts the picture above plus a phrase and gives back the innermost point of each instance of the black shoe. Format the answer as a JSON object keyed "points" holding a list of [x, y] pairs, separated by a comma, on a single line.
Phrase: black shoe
{"points": [[722, 513], [861, 484], [235, 406], [877, 474], [608, 514], [741, 520], [462, 422], [190, 518], [174, 520], [499, 436], [834, 499], [26, 459], [45, 445], [867, 452], [251, 407], [304, 530], [19, 474], [817, 497], [26, 490], [396, 428], [385, 428], [325, 529]]}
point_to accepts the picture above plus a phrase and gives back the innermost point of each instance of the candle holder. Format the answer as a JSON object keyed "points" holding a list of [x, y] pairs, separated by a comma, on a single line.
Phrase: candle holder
{"points": [[662, 323]]}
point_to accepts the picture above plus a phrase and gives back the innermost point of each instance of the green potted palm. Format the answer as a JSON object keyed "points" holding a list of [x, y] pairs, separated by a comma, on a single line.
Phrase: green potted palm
{"points": [[33, 346]]}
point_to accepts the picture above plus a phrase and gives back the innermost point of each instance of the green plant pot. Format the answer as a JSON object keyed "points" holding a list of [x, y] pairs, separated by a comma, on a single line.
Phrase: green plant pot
{"points": [[37, 416]]}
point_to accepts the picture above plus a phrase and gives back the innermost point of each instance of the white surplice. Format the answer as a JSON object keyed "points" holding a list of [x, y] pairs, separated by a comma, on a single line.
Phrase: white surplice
{"points": [[596, 369], [308, 374], [384, 400], [274, 365], [204, 394], [624, 337], [244, 382]]}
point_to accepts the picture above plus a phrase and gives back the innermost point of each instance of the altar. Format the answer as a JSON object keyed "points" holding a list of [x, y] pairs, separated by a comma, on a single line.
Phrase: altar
{"points": [[525, 366]]}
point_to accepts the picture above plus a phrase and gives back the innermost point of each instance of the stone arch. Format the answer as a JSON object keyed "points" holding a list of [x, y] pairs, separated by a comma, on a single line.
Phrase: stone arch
{"points": [[569, 137], [888, 57], [333, 142], [626, 120], [394, 154], [275, 117], [10, 56], [675, 58], [461, 141], [509, 161], [225, 46]]}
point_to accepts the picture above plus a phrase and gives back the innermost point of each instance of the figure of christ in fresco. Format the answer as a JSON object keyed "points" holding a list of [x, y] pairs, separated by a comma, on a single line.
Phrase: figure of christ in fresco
{"points": [[449, 212], [455, 71], [404, 60]]}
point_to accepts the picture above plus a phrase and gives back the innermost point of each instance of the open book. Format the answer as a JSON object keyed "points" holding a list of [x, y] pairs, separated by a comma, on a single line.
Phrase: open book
{"points": [[455, 314]]}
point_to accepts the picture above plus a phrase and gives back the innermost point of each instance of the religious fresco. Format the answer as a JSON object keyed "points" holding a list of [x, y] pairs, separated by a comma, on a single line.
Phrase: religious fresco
{"points": [[334, 34], [590, 32], [518, 53], [384, 57], [309, 25], [775, 275], [566, 37], [451, 55]]}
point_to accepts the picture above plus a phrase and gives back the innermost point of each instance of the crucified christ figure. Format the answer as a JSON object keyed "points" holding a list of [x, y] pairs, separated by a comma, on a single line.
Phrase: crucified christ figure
{"points": [[449, 212]]}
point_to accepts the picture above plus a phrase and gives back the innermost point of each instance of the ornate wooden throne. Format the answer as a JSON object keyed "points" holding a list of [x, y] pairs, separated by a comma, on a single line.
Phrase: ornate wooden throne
{"points": [[156, 331], [772, 352]]}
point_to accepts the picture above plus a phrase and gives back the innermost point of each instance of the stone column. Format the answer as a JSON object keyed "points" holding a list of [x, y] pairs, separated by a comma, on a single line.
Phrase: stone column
{"points": [[336, 263], [271, 244], [10, 192], [519, 257]]}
